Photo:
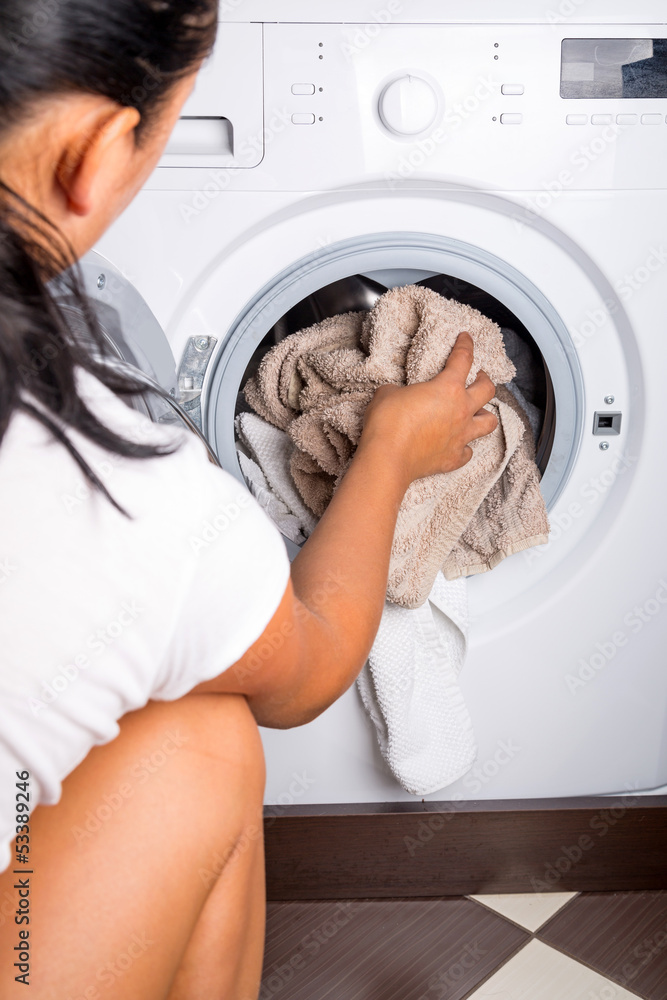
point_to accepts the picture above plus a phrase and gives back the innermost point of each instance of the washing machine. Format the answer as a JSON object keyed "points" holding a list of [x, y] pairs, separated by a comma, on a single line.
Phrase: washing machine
{"points": [[518, 162]]}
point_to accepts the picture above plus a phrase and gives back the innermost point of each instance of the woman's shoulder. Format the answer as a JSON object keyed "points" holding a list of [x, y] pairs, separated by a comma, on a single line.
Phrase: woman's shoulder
{"points": [[173, 493], [195, 542]]}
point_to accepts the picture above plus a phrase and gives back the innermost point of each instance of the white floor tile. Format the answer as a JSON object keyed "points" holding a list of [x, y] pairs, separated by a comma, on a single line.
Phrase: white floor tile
{"points": [[529, 910], [539, 972]]}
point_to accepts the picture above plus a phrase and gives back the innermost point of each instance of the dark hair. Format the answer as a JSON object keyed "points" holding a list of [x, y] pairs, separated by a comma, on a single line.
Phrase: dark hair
{"points": [[131, 51]]}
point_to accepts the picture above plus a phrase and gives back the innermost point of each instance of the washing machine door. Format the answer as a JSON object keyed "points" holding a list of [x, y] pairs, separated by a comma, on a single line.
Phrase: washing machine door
{"points": [[137, 342], [128, 324], [482, 273]]}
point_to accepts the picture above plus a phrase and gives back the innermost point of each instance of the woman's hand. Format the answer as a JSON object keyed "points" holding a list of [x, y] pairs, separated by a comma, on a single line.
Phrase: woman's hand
{"points": [[427, 428]]}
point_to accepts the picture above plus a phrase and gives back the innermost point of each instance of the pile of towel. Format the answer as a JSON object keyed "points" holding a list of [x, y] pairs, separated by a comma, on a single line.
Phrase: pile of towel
{"points": [[316, 384], [309, 396]]}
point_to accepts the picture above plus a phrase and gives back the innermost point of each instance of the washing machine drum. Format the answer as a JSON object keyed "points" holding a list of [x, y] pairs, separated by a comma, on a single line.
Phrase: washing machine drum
{"points": [[351, 275], [327, 284], [360, 292]]}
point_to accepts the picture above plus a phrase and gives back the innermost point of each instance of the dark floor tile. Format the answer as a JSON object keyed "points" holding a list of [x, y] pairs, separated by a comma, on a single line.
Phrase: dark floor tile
{"points": [[621, 934], [383, 949]]}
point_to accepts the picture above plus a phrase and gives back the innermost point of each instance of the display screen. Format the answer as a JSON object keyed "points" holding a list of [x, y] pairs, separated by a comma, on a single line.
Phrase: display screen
{"points": [[613, 67]]}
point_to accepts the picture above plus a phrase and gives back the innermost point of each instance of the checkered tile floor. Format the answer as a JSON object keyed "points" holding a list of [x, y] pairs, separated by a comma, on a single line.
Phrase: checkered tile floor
{"points": [[555, 946]]}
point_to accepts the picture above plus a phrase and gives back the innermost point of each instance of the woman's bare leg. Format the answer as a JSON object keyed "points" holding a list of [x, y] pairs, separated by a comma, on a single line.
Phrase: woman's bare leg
{"points": [[228, 941], [149, 873]]}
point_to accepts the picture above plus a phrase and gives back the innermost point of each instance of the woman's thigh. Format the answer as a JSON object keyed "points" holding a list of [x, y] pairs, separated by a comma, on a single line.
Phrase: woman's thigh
{"points": [[125, 862]]}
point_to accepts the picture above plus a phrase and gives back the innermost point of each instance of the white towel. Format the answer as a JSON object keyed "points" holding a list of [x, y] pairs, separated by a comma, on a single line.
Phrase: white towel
{"points": [[271, 449], [410, 690], [286, 522], [409, 686]]}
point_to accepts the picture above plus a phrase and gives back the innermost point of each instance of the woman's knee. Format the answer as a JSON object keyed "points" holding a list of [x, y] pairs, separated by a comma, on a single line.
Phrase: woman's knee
{"points": [[224, 729], [195, 765], [176, 802], [218, 737], [186, 775], [225, 754]]}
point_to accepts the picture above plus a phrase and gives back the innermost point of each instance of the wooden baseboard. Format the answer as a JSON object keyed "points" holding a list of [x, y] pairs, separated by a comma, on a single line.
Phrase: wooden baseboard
{"points": [[461, 848]]}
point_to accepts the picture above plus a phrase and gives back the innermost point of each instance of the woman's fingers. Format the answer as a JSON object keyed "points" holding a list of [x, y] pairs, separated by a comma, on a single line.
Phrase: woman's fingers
{"points": [[429, 422], [482, 390], [460, 358], [466, 455], [484, 422], [458, 366]]}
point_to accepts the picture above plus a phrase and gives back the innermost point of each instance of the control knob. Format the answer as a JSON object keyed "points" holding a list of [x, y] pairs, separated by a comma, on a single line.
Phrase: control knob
{"points": [[408, 105]]}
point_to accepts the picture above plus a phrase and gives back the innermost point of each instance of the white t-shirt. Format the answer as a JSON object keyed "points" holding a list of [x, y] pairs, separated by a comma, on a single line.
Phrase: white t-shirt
{"points": [[99, 613]]}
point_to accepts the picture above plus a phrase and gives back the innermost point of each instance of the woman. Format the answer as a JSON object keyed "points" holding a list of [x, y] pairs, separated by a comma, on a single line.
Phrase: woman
{"points": [[140, 653]]}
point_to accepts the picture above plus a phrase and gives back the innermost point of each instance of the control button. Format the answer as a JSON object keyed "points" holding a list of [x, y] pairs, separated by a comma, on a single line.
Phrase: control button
{"points": [[626, 119], [651, 119], [576, 119], [408, 105], [512, 89], [601, 119], [511, 119], [303, 119], [303, 88]]}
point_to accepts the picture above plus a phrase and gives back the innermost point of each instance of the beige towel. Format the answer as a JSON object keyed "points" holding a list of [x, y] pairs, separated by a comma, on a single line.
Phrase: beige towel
{"points": [[316, 385]]}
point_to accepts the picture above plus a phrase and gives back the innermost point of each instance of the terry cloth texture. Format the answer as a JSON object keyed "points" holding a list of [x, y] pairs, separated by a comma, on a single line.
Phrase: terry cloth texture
{"points": [[264, 462], [523, 385], [410, 690], [316, 384], [272, 505]]}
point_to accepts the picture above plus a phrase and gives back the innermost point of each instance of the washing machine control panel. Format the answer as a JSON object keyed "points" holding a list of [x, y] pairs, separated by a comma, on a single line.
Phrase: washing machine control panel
{"points": [[546, 107]]}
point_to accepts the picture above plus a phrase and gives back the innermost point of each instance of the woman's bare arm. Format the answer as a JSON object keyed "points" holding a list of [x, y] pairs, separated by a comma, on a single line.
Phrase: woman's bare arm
{"points": [[321, 635]]}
